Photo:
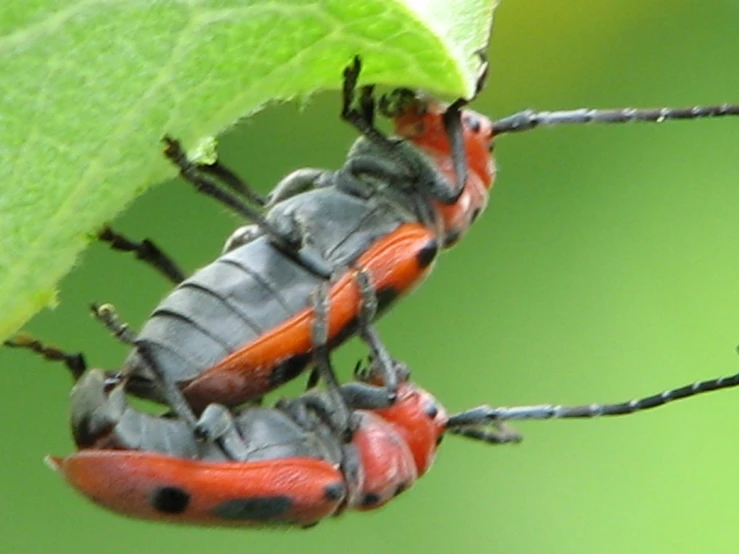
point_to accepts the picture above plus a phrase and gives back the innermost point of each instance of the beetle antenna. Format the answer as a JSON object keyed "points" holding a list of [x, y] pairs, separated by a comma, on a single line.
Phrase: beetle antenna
{"points": [[107, 315], [75, 363], [463, 422], [529, 119]]}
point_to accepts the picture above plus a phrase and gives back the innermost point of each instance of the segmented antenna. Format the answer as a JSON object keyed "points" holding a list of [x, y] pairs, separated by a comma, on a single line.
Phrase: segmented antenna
{"points": [[107, 315], [483, 415], [491, 434], [75, 362], [529, 119]]}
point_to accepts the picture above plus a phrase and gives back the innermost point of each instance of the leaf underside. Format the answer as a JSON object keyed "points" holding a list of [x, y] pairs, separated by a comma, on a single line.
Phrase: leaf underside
{"points": [[89, 88]]}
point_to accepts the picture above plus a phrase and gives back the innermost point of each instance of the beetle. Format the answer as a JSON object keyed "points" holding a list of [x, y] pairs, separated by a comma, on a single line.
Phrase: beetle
{"points": [[285, 465], [365, 234], [253, 467], [242, 325]]}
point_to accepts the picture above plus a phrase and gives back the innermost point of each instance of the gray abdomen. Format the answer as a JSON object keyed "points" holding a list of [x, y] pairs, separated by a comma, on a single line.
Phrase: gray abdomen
{"points": [[255, 287], [104, 420], [223, 307]]}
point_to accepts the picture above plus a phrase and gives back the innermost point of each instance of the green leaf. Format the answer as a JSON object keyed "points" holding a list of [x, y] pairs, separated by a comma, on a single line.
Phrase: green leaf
{"points": [[88, 88]]}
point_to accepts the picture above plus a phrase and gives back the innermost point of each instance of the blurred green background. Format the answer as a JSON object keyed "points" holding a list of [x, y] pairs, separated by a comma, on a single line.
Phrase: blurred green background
{"points": [[604, 268]]}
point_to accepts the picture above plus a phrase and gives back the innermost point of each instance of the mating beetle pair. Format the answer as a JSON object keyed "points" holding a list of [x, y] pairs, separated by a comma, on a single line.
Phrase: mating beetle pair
{"points": [[330, 247], [332, 250], [343, 243]]}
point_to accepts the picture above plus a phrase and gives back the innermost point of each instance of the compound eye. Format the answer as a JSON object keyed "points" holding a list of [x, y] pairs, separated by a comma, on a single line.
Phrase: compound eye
{"points": [[472, 122], [431, 410]]}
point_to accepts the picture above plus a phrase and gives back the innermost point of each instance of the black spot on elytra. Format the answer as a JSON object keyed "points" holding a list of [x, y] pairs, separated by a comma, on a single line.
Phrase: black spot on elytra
{"points": [[427, 254], [337, 491], [267, 508], [170, 500], [288, 369], [370, 499]]}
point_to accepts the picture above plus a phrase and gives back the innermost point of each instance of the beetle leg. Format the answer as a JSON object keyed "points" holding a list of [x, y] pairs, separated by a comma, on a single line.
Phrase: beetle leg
{"points": [[194, 170], [383, 170], [312, 409], [205, 185], [373, 372], [232, 181], [287, 225], [192, 173], [349, 178], [452, 119], [297, 409], [216, 424], [107, 315], [241, 236], [353, 472], [410, 171], [299, 181], [322, 360], [363, 118], [172, 394], [356, 395], [303, 410], [363, 396], [367, 104], [312, 380], [146, 251], [369, 334]]}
